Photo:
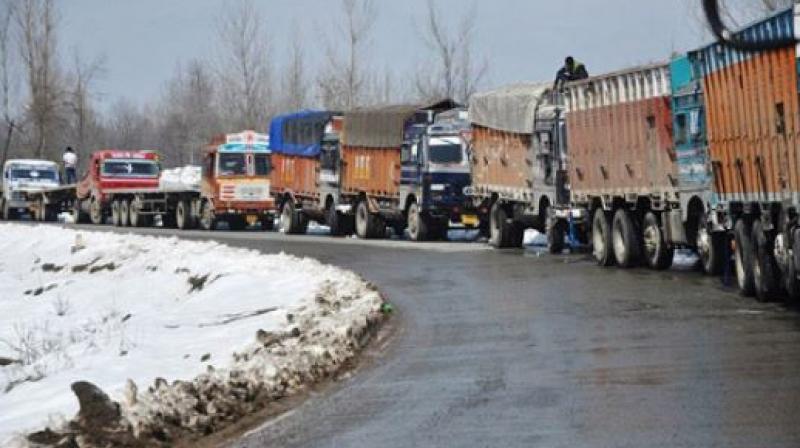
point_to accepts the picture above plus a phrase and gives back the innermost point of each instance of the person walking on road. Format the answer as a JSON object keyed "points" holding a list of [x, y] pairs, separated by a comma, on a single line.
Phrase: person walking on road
{"points": [[70, 160], [571, 71]]}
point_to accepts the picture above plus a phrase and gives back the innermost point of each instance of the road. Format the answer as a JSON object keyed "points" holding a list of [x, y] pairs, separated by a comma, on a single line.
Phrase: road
{"points": [[512, 349]]}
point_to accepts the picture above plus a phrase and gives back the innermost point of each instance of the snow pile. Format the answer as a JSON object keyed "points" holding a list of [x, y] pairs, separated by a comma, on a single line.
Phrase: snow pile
{"points": [[534, 237], [234, 325], [181, 179]]}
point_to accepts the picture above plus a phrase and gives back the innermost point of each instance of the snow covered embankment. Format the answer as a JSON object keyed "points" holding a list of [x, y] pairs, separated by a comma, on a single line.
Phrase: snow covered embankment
{"points": [[184, 335]]}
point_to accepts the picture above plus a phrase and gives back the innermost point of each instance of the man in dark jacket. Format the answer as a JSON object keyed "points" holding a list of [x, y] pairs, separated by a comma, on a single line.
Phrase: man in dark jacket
{"points": [[571, 71]]}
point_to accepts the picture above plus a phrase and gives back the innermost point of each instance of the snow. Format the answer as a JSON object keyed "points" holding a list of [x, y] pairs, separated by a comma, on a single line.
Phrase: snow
{"points": [[181, 179], [105, 308], [534, 238]]}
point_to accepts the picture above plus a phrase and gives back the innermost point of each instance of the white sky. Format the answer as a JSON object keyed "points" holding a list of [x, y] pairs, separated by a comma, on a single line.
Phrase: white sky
{"points": [[144, 40]]}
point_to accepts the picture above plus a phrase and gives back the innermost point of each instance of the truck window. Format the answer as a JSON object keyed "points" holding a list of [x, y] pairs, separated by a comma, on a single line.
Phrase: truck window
{"points": [[446, 153], [232, 164], [33, 173], [263, 164], [145, 168]]}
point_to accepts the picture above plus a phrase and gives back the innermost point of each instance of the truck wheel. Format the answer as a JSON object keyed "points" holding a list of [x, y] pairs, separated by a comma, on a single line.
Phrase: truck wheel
{"points": [[657, 253], [417, 225], [290, 219], [124, 213], [766, 276], [208, 219], [363, 220], [743, 258], [500, 229], [183, 215], [556, 234], [96, 212], [627, 247], [601, 238], [336, 221], [116, 219], [137, 219], [710, 247]]}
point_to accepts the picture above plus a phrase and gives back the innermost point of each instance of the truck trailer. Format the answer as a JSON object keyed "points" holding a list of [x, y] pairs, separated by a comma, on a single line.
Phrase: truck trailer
{"points": [[306, 171], [400, 170], [518, 161]]}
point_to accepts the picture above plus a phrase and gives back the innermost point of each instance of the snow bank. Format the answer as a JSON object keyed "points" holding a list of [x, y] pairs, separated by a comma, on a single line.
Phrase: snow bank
{"points": [[533, 237], [108, 308], [181, 179]]}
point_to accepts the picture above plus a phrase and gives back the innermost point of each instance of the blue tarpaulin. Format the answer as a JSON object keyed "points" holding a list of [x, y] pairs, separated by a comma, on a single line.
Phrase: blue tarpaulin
{"points": [[298, 134]]}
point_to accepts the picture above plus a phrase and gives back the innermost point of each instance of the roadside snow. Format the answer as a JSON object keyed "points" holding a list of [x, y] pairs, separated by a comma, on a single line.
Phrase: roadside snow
{"points": [[181, 179], [105, 308], [534, 238]]}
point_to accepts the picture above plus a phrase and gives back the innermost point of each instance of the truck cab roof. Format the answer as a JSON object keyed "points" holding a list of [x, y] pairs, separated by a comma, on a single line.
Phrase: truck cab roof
{"points": [[143, 154]]}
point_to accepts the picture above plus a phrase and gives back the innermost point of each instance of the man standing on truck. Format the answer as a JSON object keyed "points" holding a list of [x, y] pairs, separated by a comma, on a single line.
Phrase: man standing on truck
{"points": [[571, 71], [70, 160]]}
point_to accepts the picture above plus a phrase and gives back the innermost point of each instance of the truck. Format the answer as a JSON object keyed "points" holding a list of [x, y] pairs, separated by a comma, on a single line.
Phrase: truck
{"points": [[23, 181], [402, 170], [518, 161], [306, 171], [750, 116], [625, 192], [126, 186]]}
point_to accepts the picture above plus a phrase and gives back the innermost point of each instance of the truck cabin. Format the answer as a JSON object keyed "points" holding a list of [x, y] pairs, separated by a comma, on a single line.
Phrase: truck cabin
{"points": [[242, 156], [31, 172], [436, 147]]}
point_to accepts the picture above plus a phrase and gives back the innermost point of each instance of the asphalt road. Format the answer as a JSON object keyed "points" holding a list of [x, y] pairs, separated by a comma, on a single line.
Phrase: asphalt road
{"points": [[511, 349]]}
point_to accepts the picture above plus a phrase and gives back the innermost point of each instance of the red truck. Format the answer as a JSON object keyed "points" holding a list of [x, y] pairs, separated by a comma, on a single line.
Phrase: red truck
{"points": [[234, 188]]}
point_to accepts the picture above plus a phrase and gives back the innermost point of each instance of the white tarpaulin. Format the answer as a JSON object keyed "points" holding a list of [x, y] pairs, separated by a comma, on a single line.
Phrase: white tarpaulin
{"points": [[509, 108]]}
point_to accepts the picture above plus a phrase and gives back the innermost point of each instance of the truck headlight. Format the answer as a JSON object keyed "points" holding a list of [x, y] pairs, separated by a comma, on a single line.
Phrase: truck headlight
{"points": [[438, 187]]}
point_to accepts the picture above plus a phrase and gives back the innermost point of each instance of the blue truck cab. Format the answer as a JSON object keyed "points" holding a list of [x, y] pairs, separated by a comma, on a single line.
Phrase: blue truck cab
{"points": [[435, 171]]}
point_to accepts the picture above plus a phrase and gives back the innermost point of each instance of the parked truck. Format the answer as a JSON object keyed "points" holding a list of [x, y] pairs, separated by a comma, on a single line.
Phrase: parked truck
{"points": [[400, 169], [126, 187], [518, 161], [23, 182], [623, 168], [306, 171], [752, 123]]}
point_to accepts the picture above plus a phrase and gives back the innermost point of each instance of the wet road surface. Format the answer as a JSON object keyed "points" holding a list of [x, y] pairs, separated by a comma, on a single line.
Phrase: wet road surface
{"points": [[509, 349]]}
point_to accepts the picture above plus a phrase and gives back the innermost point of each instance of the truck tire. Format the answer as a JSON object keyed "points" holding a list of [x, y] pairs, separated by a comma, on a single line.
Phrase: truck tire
{"points": [[417, 225], [710, 247], [292, 220], [743, 258], [116, 219], [78, 215], [500, 228], [602, 245], [556, 234], [183, 215], [96, 212], [766, 275], [363, 220], [626, 241], [124, 213], [335, 221], [137, 219], [657, 253], [442, 228], [208, 219]]}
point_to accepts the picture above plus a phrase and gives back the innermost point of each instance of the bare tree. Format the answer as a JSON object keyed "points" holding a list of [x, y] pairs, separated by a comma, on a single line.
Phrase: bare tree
{"points": [[37, 21], [295, 84], [343, 83], [6, 76], [244, 66], [458, 75], [80, 83]]}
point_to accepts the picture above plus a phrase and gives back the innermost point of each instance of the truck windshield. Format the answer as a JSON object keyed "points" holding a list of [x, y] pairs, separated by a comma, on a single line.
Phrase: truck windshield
{"points": [[232, 164], [446, 153], [263, 165], [34, 174], [123, 168]]}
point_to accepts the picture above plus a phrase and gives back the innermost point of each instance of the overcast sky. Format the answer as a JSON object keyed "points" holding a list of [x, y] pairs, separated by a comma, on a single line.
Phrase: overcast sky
{"points": [[144, 40]]}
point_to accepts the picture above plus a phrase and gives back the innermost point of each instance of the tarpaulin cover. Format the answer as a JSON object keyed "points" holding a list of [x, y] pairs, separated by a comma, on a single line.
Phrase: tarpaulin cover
{"points": [[299, 134], [510, 108], [384, 127]]}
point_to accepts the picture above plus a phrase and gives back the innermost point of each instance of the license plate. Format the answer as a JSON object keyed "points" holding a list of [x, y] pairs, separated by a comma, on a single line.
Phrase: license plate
{"points": [[252, 219], [470, 220]]}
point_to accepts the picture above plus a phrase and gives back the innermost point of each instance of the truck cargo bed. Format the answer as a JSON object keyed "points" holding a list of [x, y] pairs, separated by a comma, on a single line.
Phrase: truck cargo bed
{"points": [[374, 171], [295, 174]]}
